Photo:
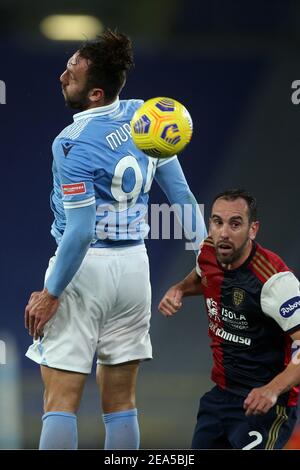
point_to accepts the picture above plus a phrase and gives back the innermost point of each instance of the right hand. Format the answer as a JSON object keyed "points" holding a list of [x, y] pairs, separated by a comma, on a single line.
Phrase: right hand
{"points": [[40, 308], [171, 301]]}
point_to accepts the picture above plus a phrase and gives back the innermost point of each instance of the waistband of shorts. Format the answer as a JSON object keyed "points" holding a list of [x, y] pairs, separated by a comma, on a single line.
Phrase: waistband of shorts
{"points": [[117, 251], [107, 243]]}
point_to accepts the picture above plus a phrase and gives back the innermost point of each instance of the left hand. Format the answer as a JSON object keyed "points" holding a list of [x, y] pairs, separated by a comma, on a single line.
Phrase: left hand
{"points": [[40, 308], [260, 400]]}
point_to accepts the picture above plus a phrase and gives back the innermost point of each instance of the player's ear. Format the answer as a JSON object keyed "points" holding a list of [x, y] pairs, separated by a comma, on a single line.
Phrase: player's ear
{"points": [[96, 95], [254, 226]]}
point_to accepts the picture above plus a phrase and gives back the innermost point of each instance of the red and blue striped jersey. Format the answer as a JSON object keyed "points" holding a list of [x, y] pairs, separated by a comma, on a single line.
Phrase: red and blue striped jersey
{"points": [[252, 310]]}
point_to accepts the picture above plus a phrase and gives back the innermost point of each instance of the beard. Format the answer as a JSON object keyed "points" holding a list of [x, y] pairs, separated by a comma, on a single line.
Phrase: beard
{"points": [[235, 254], [78, 101]]}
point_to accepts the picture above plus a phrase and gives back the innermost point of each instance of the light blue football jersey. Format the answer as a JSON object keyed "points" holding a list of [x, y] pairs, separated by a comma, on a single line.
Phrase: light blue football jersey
{"points": [[96, 161]]}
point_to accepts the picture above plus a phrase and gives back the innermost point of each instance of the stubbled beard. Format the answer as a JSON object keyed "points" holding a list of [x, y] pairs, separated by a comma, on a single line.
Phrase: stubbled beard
{"points": [[234, 256], [80, 102]]}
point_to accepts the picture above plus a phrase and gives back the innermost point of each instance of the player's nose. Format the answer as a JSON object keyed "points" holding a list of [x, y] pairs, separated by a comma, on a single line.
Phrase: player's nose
{"points": [[224, 231], [63, 77]]}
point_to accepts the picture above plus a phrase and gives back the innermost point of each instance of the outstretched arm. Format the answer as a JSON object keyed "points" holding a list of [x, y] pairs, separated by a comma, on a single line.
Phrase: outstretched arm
{"points": [[172, 300]]}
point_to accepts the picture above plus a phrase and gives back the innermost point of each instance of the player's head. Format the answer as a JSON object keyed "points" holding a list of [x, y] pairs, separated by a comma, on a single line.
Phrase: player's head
{"points": [[97, 71], [233, 225]]}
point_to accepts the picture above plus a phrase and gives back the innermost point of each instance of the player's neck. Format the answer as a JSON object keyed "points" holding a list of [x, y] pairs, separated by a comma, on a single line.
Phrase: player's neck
{"points": [[99, 103]]}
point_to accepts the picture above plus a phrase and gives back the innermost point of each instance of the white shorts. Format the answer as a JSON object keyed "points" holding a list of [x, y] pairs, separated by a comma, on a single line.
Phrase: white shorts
{"points": [[105, 310]]}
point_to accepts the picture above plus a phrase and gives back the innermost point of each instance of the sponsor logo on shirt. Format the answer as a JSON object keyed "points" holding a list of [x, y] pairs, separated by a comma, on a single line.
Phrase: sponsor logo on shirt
{"points": [[66, 148], [289, 307], [230, 337], [74, 188], [235, 320], [212, 308]]}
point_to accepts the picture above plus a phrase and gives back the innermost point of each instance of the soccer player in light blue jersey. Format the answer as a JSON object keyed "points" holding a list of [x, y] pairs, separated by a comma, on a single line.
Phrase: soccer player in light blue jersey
{"points": [[96, 298]]}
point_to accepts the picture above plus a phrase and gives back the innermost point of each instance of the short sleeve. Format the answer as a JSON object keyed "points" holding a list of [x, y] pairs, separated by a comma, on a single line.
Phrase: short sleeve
{"points": [[76, 176], [280, 299], [198, 269]]}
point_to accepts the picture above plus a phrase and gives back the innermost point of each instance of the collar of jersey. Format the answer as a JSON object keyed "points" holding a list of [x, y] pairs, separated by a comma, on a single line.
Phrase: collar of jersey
{"points": [[99, 111]]}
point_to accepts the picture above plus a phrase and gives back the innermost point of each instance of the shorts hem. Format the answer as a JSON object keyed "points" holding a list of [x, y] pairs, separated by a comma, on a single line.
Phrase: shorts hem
{"points": [[52, 365], [115, 362]]}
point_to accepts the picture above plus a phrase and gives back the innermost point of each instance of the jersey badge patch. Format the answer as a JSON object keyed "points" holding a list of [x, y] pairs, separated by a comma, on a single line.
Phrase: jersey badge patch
{"points": [[238, 296], [74, 188]]}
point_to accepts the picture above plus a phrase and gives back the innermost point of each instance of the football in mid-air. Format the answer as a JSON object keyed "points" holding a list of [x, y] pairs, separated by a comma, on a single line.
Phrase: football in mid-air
{"points": [[161, 127]]}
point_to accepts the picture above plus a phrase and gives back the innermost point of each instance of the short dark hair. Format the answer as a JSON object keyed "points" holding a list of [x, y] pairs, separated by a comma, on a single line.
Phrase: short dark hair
{"points": [[111, 59], [233, 194]]}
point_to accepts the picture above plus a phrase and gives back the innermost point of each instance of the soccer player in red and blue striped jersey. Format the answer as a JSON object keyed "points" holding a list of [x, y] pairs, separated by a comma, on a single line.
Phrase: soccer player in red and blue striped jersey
{"points": [[253, 307]]}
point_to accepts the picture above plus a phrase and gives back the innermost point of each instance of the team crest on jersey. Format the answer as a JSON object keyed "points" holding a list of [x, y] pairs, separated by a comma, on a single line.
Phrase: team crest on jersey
{"points": [[238, 296]]}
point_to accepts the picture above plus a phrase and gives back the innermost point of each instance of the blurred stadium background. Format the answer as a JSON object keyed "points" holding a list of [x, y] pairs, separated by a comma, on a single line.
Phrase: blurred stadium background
{"points": [[232, 64]]}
